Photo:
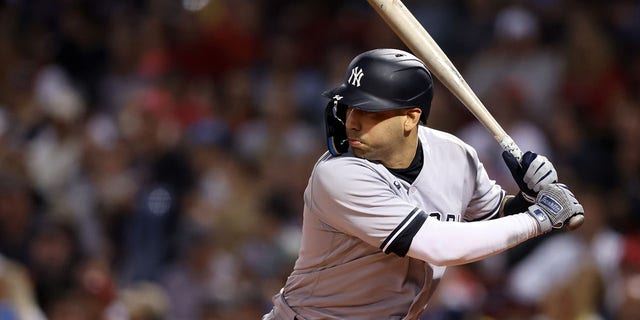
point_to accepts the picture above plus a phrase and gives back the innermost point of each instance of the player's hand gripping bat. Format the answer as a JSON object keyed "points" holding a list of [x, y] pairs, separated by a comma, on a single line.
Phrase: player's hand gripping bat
{"points": [[405, 25]]}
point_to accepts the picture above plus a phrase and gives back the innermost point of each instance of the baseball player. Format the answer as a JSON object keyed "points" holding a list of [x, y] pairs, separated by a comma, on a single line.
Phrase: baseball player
{"points": [[393, 202]]}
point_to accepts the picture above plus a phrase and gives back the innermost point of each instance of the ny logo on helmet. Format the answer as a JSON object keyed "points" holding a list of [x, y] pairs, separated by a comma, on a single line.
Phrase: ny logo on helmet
{"points": [[356, 75]]}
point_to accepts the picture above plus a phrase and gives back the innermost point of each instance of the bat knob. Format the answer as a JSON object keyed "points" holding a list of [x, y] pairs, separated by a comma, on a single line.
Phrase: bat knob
{"points": [[575, 222]]}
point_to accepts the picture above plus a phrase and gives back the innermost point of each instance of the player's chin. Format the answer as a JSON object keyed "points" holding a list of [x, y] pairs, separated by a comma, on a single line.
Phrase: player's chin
{"points": [[362, 153], [358, 152]]}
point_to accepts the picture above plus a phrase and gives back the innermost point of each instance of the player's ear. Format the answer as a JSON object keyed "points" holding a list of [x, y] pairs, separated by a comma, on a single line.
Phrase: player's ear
{"points": [[413, 118]]}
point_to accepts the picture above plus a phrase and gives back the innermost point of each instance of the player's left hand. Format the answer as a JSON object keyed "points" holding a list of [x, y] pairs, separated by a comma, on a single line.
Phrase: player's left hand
{"points": [[554, 207], [531, 174]]}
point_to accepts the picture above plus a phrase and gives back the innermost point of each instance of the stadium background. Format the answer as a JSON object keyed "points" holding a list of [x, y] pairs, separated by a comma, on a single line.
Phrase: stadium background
{"points": [[153, 153]]}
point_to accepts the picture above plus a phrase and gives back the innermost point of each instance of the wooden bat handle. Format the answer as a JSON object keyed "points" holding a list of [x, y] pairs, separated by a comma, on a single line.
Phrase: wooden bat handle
{"points": [[510, 146]]}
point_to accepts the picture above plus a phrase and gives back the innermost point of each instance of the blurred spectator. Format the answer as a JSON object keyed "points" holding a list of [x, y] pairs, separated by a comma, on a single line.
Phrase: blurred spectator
{"points": [[94, 280], [81, 46], [202, 275], [19, 215], [626, 129], [592, 82], [140, 301], [53, 256], [17, 298], [518, 58], [55, 151], [627, 289]]}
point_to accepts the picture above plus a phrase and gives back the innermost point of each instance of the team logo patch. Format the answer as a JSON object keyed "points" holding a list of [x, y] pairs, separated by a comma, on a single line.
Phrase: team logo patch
{"points": [[540, 215], [356, 76], [550, 204]]}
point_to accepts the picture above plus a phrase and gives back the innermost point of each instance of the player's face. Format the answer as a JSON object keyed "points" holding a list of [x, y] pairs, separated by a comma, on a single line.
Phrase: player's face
{"points": [[377, 136]]}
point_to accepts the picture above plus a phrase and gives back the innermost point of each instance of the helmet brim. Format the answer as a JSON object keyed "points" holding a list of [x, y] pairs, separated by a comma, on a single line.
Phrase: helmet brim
{"points": [[359, 99]]}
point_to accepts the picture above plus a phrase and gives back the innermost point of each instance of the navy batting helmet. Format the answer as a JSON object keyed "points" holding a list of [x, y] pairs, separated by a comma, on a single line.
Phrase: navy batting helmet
{"points": [[377, 80]]}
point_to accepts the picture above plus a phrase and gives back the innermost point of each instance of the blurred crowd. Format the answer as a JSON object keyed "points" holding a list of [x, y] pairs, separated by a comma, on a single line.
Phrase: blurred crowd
{"points": [[154, 153]]}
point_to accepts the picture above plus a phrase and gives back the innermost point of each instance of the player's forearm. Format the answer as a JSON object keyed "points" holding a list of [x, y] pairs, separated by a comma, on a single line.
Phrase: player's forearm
{"points": [[454, 243]]}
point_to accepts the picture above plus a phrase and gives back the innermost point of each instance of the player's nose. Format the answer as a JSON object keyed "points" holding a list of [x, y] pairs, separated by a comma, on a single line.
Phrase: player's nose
{"points": [[352, 119]]}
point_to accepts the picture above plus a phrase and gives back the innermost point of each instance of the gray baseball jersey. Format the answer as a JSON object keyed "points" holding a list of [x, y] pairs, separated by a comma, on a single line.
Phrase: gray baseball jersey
{"points": [[359, 221]]}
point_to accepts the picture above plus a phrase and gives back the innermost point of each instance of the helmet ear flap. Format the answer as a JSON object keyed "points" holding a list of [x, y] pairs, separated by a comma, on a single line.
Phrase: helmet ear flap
{"points": [[335, 116]]}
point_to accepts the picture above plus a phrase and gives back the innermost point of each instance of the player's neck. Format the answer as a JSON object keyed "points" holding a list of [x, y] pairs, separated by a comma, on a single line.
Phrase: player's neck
{"points": [[404, 153]]}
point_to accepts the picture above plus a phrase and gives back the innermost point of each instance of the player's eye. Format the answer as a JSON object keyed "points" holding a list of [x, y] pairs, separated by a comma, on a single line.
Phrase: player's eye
{"points": [[359, 111]]}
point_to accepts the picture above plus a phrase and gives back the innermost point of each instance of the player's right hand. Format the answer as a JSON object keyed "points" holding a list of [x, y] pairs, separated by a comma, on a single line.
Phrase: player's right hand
{"points": [[532, 173], [554, 206]]}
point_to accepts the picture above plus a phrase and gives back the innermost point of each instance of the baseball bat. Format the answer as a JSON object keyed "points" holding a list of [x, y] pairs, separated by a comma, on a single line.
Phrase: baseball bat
{"points": [[418, 40]]}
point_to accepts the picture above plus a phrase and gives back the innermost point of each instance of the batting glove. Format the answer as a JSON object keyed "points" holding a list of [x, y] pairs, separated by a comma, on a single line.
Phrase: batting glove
{"points": [[531, 174], [554, 206]]}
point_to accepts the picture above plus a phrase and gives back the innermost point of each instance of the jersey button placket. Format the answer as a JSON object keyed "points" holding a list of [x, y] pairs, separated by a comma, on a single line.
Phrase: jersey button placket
{"points": [[411, 193]]}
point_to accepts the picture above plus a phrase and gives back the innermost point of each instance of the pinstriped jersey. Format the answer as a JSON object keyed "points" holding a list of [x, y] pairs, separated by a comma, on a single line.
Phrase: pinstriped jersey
{"points": [[359, 221]]}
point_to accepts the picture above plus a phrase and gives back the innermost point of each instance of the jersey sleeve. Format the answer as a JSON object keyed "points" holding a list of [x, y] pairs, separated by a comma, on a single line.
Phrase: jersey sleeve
{"points": [[355, 199], [487, 196]]}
